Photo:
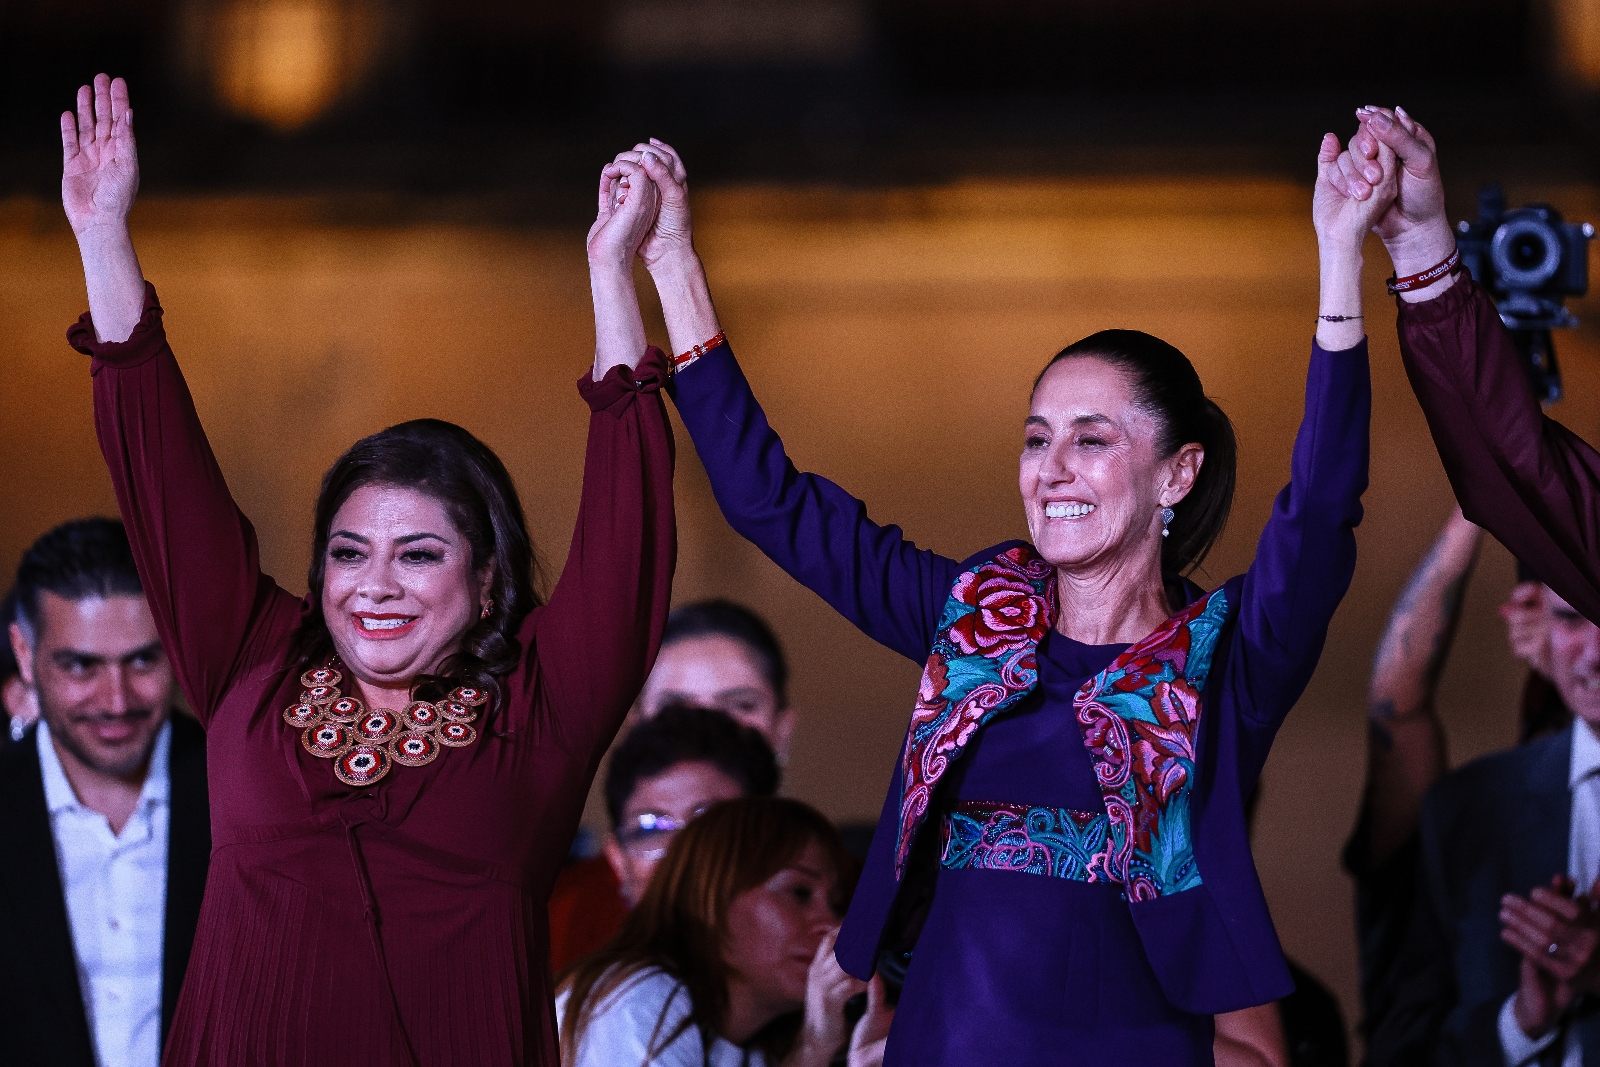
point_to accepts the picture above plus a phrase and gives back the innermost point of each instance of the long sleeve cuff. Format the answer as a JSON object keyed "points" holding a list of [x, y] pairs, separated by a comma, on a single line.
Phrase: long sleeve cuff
{"points": [[1447, 305], [1519, 1049], [148, 338], [613, 392]]}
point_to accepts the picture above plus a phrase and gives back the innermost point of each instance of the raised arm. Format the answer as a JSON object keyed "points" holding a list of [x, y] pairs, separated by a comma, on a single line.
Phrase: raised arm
{"points": [[1520, 475], [1307, 552], [196, 553], [809, 526], [597, 638], [1405, 739]]}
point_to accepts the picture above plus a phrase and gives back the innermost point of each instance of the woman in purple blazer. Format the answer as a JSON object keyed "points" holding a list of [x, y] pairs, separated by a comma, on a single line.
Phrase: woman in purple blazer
{"points": [[1062, 854]]}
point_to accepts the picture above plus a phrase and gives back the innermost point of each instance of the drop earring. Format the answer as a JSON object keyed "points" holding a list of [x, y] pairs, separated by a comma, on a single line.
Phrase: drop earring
{"points": [[487, 608], [1167, 515]]}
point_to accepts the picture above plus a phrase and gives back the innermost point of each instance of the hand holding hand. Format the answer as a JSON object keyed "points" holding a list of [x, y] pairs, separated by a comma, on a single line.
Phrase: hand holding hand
{"points": [[1415, 229], [871, 1035], [1558, 936], [1343, 210], [827, 988], [628, 203], [99, 160]]}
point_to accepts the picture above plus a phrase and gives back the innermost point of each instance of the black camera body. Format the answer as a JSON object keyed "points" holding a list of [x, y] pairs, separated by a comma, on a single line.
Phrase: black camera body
{"points": [[1530, 260]]}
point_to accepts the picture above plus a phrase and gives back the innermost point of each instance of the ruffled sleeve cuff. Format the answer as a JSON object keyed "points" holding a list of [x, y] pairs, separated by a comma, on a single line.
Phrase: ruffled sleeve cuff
{"points": [[148, 338], [616, 390]]}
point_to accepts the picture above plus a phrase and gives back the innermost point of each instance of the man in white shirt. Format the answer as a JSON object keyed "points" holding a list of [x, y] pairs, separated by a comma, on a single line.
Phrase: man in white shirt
{"points": [[1501, 966], [103, 818]]}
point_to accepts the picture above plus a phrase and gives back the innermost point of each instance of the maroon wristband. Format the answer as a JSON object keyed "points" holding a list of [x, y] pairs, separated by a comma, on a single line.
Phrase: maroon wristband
{"points": [[1451, 265]]}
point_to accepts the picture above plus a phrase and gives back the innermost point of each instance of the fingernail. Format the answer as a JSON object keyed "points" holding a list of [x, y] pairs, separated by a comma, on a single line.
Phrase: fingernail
{"points": [[1398, 110]]}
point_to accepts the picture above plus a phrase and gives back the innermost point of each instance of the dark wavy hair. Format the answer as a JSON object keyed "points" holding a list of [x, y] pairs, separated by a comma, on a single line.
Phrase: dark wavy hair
{"points": [[462, 473], [1167, 387]]}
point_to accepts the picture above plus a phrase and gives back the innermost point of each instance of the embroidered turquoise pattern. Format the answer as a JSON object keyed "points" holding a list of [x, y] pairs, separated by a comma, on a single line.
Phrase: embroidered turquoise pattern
{"points": [[1057, 842], [1140, 718]]}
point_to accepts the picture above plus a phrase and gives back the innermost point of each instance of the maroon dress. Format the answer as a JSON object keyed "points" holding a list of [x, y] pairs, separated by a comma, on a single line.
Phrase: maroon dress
{"points": [[404, 921]]}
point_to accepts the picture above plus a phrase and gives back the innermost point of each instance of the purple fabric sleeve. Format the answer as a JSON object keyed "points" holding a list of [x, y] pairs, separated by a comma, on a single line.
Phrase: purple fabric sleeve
{"points": [[821, 535], [1306, 555]]}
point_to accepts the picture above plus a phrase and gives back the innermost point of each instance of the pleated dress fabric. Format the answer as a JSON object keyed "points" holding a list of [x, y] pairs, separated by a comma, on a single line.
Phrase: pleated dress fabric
{"points": [[405, 921]]}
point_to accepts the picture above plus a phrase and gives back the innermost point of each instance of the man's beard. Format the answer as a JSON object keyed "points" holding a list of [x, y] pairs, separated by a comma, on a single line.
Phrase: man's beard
{"points": [[124, 764]]}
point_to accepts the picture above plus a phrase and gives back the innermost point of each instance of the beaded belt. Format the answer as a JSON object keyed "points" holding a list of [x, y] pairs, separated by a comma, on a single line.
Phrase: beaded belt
{"points": [[1058, 842]]}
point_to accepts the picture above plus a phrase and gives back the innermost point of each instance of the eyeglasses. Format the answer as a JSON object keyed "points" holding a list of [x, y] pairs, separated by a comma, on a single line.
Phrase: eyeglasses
{"points": [[651, 833]]}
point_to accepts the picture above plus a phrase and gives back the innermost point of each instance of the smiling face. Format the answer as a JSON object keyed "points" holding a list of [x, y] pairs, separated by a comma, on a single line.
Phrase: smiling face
{"points": [[1093, 483], [399, 589], [1574, 658], [772, 931], [103, 683]]}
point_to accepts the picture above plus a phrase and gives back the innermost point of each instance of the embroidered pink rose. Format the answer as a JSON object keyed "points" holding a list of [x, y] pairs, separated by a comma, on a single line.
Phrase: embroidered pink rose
{"points": [[1009, 613]]}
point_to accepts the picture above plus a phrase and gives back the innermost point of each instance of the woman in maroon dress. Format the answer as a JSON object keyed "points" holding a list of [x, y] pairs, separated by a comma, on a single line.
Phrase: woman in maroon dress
{"points": [[398, 759]]}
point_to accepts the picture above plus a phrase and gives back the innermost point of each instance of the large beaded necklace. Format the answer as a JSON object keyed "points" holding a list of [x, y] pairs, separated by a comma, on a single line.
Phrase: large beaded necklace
{"points": [[363, 743]]}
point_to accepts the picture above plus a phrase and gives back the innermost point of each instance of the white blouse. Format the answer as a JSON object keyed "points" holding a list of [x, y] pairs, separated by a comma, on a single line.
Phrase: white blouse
{"points": [[639, 1014]]}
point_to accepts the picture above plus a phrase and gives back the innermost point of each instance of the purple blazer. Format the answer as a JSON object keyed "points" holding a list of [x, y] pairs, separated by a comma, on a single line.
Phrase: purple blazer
{"points": [[1212, 947]]}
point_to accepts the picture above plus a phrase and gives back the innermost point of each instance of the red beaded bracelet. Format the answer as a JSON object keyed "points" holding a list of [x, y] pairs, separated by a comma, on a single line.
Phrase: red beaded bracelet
{"points": [[1451, 265], [680, 362]]}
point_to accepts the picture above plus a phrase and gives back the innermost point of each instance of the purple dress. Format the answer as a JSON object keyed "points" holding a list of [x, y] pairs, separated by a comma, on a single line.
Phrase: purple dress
{"points": [[1024, 968]]}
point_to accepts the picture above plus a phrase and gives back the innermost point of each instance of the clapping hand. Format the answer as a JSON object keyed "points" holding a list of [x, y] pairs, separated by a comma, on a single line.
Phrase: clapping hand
{"points": [[1527, 626], [1557, 934], [99, 160]]}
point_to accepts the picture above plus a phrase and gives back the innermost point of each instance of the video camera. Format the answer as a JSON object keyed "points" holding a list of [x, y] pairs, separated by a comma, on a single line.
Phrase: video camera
{"points": [[1530, 261]]}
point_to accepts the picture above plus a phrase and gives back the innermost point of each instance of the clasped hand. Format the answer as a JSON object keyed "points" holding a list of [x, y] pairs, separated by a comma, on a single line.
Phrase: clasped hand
{"points": [[643, 207]]}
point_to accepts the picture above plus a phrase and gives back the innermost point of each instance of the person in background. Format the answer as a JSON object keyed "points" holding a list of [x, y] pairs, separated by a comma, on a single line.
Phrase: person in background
{"points": [[1497, 962], [664, 772], [1406, 743], [104, 820], [718, 654], [21, 707], [728, 959]]}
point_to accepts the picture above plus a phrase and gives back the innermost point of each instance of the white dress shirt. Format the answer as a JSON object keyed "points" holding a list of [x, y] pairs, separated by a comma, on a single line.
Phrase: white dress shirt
{"points": [[1583, 866], [116, 891]]}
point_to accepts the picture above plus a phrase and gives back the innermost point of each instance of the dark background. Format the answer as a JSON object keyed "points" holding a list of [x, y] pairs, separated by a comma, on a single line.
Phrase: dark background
{"points": [[493, 99]]}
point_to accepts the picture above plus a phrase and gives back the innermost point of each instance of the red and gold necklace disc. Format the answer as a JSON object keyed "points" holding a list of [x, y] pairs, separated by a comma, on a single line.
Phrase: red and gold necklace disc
{"points": [[364, 744]]}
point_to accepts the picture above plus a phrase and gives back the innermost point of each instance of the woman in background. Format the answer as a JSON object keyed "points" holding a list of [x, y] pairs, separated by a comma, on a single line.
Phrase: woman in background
{"points": [[727, 961]]}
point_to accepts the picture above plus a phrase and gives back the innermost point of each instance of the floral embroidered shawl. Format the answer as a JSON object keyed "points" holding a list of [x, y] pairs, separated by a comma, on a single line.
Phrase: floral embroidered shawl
{"points": [[1139, 716]]}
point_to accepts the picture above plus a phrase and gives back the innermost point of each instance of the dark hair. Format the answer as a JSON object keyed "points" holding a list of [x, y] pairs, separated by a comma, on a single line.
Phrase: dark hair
{"points": [[679, 923], [76, 560], [462, 473], [1166, 386], [8, 658], [683, 734], [724, 618]]}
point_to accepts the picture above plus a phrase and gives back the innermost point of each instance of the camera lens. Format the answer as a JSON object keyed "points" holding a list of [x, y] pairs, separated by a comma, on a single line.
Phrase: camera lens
{"points": [[1526, 252]]}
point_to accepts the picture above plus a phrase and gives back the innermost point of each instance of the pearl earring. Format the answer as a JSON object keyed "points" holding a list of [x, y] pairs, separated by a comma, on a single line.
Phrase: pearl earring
{"points": [[1167, 515]]}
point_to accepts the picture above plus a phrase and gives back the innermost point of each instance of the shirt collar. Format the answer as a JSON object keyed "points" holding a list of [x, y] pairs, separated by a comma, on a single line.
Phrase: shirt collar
{"points": [[1585, 752], [58, 792]]}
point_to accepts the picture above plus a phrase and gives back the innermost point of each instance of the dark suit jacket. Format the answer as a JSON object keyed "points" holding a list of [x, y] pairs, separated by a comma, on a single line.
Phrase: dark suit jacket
{"points": [[41, 1007], [1498, 825]]}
